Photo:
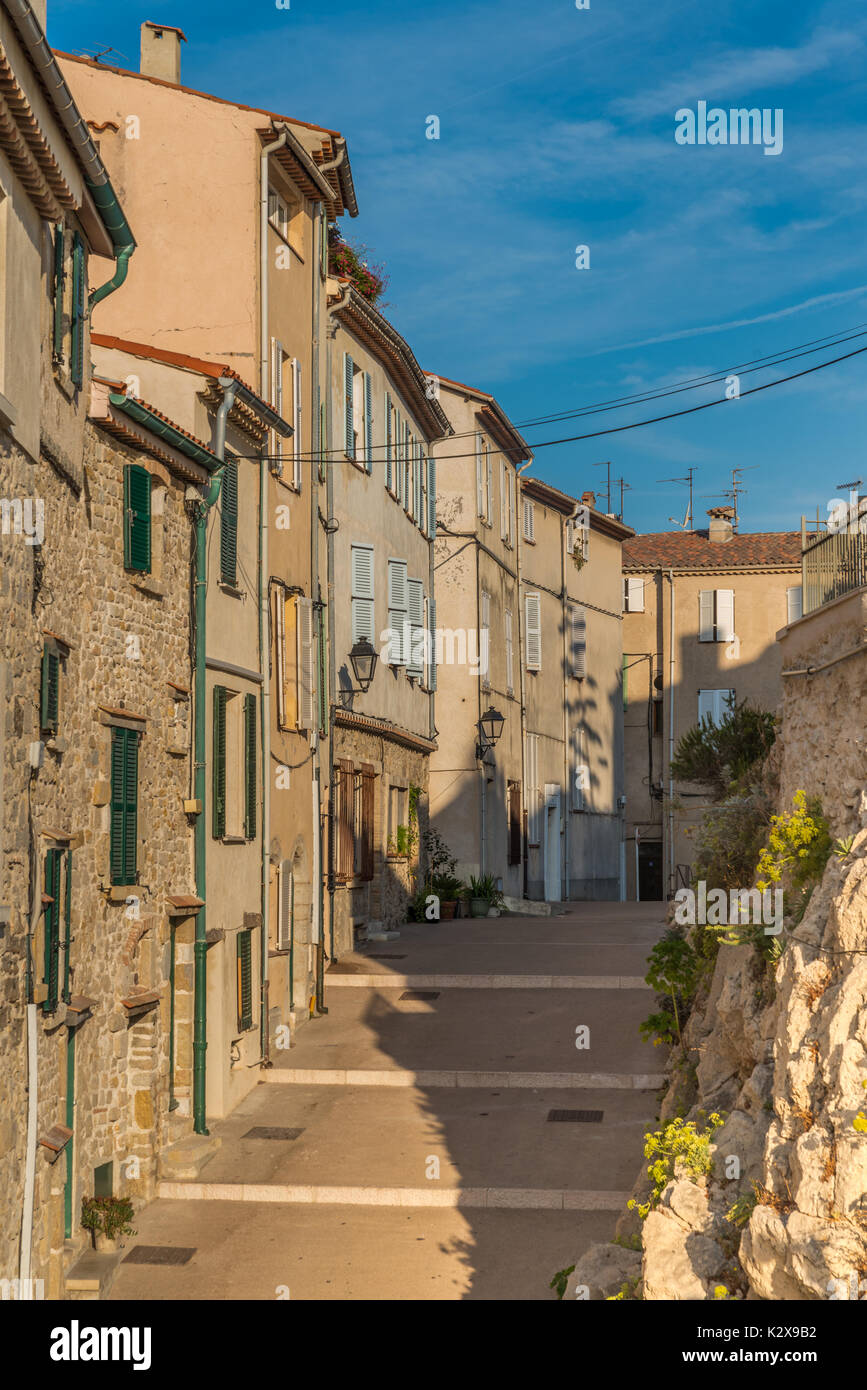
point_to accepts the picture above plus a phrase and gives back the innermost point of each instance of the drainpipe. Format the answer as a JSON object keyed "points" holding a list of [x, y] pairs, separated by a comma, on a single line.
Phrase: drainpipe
{"points": [[671, 729], [29, 31], [519, 548], [320, 231], [200, 948], [567, 815]]}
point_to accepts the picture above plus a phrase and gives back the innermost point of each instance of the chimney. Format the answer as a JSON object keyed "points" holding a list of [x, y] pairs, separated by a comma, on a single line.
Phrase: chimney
{"points": [[721, 528], [161, 51], [589, 499]]}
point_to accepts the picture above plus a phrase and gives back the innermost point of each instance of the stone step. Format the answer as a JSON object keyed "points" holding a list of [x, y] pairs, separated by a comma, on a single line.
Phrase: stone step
{"points": [[186, 1158], [357, 979], [516, 1080], [488, 1197], [91, 1277]]}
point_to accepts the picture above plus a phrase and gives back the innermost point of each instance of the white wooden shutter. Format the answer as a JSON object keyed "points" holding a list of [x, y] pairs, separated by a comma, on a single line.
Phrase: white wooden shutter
{"points": [[511, 507], [489, 498], [532, 768], [510, 653], [398, 653], [296, 422], [306, 665], [579, 641], [570, 538], [286, 906], [794, 605], [480, 477], [725, 615], [633, 594], [705, 616], [529, 520], [415, 619], [533, 627], [504, 500], [707, 706], [363, 621]]}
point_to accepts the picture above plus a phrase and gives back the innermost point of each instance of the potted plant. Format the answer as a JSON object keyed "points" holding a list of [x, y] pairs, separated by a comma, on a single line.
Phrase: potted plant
{"points": [[107, 1219], [484, 896], [440, 880]]}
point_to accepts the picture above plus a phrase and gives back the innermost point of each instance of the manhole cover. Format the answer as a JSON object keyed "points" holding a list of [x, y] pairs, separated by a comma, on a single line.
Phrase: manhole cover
{"points": [[420, 994], [159, 1255], [383, 955], [271, 1132], [581, 1117]]}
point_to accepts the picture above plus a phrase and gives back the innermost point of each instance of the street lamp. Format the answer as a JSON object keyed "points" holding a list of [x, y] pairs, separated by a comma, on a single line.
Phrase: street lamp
{"points": [[490, 726], [363, 658]]}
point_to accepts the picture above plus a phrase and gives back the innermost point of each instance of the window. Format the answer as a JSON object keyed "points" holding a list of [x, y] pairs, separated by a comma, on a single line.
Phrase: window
{"points": [[286, 216], [69, 312], [510, 654], [578, 641], [716, 622], [480, 475], [285, 905], [529, 520], [514, 800], [504, 500], [398, 803], [408, 446], [430, 621], [485, 638], [389, 443], [365, 821], [79, 310], [50, 692], [235, 789], [533, 631], [245, 980], [580, 783], [307, 664], [489, 488], [512, 486], [398, 598], [51, 928], [415, 663], [714, 705], [123, 836], [348, 406], [363, 617], [657, 715], [633, 594], [137, 518], [344, 777], [278, 213], [534, 819], [794, 604], [229, 525], [297, 470]]}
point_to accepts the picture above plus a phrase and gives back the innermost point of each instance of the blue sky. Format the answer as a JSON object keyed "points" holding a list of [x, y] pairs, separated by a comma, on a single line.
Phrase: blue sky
{"points": [[557, 129]]}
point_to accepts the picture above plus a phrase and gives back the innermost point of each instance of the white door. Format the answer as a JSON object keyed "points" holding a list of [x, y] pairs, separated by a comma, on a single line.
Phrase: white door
{"points": [[552, 842]]}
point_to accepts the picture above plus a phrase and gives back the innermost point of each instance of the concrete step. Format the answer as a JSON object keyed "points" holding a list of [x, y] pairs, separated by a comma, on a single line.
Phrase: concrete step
{"points": [[294, 1194], [358, 979], [91, 1278], [469, 1080], [186, 1159]]}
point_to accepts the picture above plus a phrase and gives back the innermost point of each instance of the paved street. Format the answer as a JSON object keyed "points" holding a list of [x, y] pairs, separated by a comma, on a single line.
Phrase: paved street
{"points": [[423, 1163]]}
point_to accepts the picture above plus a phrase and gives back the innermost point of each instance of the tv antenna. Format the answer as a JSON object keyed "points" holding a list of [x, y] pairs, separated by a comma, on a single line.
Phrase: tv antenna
{"points": [[607, 486], [687, 523], [736, 490]]}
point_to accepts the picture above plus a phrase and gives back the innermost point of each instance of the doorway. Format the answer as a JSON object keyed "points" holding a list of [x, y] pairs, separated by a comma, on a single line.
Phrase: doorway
{"points": [[650, 870]]}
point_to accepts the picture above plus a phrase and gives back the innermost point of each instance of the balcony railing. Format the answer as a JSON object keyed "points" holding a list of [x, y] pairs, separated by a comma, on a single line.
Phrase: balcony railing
{"points": [[832, 564]]}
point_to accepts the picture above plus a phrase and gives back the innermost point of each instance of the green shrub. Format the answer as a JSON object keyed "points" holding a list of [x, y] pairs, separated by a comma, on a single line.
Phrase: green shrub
{"points": [[678, 1141], [720, 755], [673, 973]]}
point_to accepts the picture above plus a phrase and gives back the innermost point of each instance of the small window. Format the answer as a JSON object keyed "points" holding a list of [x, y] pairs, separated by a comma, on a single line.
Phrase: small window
{"points": [[633, 594], [398, 828], [137, 518], [529, 520], [794, 604], [533, 631], [716, 621], [245, 980], [278, 212], [234, 789], [50, 692]]}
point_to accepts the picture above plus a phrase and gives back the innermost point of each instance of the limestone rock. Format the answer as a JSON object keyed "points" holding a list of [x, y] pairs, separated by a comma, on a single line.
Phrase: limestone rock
{"points": [[678, 1264], [603, 1270]]}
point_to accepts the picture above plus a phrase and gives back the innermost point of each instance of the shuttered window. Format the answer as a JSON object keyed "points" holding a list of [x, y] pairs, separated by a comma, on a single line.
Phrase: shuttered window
{"points": [[511, 507], [250, 790], [398, 654], [716, 609], [363, 616], [633, 594], [345, 780], [59, 280], [389, 444], [285, 906], [219, 762], [415, 617], [714, 705], [51, 927], [533, 631], [79, 310], [510, 653], [432, 650], [578, 641], [245, 980], [323, 442], [307, 664], [485, 638], [297, 409], [431, 498], [348, 423], [123, 838], [480, 477], [137, 518], [515, 846], [794, 604], [368, 423], [50, 693], [529, 520], [368, 789], [533, 791], [489, 490], [229, 525]]}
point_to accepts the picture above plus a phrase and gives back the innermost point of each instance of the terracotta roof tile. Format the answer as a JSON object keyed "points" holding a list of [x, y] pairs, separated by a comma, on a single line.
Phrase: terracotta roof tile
{"points": [[692, 550]]}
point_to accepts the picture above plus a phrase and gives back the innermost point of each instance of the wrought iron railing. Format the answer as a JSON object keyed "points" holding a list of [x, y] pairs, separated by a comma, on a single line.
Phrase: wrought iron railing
{"points": [[832, 564]]}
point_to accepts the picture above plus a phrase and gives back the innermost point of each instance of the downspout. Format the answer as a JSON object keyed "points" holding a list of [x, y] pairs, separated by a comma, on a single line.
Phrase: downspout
{"points": [[319, 232], [30, 33], [432, 727], [671, 729], [519, 548], [200, 947], [483, 784], [263, 602]]}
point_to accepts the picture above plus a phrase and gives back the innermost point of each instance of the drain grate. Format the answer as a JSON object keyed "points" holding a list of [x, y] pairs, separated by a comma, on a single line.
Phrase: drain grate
{"points": [[160, 1255], [420, 994], [383, 955], [272, 1132], [581, 1117]]}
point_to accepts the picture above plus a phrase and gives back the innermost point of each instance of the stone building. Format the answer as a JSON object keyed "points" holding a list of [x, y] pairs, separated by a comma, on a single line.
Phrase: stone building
{"points": [[701, 613], [381, 493]]}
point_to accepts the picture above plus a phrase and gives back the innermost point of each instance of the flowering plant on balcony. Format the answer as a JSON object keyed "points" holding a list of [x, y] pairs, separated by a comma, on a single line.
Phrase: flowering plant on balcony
{"points": [[350, 263]]}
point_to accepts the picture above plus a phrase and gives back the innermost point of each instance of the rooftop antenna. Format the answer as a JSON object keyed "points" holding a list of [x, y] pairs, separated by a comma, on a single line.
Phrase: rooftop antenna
{"points": [[624, 487], [732, 493], [96, 53], [687, 523], [608, 485]]}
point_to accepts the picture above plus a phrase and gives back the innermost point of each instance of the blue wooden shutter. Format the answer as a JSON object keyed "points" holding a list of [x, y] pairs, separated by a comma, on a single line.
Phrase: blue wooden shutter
{"points": [[368, 423], [348, 425], [137, 518], [229, 524], [415, 620], [219, 763], [57, 323], [250, 767]]}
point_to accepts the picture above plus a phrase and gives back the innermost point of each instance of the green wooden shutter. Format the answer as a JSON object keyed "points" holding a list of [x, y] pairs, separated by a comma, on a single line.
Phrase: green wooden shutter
{"points": [[123, 853], [79, 277], [50, 690], [219, 787], [57, 323], [137, 518], [245, 980], [51, 920], [229, 525], [67, 925], [250, 767]]}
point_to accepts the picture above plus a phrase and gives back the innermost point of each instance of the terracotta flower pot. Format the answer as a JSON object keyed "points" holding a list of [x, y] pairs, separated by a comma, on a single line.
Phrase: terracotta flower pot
{"points": [[447, 910]]}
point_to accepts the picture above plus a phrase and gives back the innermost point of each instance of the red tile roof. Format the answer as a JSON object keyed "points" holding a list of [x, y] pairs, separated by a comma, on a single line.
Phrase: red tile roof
{"points": [[174, 359], [692, 550]]}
